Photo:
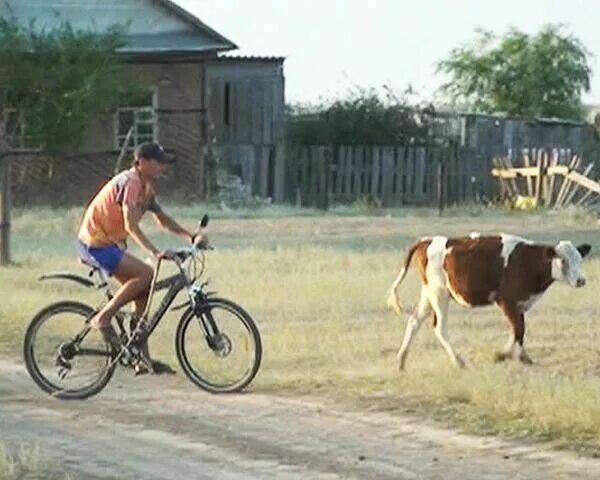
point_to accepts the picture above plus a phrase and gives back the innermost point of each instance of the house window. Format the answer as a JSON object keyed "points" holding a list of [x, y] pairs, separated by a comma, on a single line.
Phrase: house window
{"points": [[16, 131], [140, 115]]}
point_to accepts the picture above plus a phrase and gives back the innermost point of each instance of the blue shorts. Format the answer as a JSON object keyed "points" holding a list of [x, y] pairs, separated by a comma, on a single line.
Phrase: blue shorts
{"points": [[106, 258]]}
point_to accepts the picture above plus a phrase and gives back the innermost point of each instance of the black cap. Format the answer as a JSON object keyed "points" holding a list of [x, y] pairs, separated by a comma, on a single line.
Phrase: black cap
{"points": [[153, 151]]}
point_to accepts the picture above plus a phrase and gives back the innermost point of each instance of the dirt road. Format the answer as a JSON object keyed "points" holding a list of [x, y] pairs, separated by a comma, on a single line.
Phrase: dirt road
{"points": [[164, 428]]}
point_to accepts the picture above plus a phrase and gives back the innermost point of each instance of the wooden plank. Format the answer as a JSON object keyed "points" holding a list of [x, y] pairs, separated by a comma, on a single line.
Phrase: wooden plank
{"points": [[387, 176], [366, 170], [547, 192], [409, 193], [257, 108], [459, 177], [337, 169], [420, 173], [399, 174], [565, 184], [349, 167], [561, 201], [323, 160], [540, 178], [529, 182], [246, 115], [305, 177], [375, 187], [5, 205], [263, 155], [268, 119], [279, 193], [499, 168], [584, 181], [358, 171], [508, 173], [513, 183], [552, 184]]}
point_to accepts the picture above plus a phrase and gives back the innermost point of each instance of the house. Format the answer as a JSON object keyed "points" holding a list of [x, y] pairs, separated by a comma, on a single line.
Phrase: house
{"points": [[197, 99]]}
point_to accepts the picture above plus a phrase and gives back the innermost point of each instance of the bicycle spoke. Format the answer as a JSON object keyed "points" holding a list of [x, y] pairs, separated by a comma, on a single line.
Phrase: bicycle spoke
{"points": [[220, 348], [64, 355]]}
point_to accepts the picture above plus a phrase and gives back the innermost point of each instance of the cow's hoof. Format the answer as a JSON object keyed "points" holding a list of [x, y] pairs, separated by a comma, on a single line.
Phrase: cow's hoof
{"points": [[500, 357], [525, 359], [460, 363]]}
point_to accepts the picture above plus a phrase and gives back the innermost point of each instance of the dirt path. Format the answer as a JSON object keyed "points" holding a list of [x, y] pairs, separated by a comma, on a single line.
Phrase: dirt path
{"points": [[163, 428]]}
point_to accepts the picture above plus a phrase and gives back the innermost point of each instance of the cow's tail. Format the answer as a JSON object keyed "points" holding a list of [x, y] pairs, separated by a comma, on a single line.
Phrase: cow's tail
{"points": [[393, 300]]}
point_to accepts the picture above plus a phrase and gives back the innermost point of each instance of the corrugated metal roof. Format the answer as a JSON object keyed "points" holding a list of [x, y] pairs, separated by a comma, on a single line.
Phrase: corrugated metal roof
{"points": [[153, 26], [250, 58]]}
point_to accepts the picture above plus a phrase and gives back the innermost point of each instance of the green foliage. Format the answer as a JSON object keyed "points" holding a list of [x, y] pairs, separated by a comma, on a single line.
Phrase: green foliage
{"points": [[53, 80], [542, 75], [362, 118]]}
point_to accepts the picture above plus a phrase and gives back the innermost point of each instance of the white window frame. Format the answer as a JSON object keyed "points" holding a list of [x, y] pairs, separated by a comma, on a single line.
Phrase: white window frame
{"points": [[20, 140], [136, 137]]}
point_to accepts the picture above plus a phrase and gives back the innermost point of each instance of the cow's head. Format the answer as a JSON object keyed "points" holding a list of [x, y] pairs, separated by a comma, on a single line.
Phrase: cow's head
{"points": [[566, 262]]}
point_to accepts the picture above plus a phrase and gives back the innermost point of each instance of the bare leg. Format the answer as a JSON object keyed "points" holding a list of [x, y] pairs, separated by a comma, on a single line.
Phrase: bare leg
{"points": [[135, 278]]}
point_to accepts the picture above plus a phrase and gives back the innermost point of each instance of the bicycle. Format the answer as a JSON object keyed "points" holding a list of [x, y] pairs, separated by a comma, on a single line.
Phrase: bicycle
{"points": [[52, 366]]}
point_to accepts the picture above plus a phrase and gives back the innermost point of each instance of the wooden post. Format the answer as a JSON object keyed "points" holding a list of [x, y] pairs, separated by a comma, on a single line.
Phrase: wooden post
{"points": [[539, 179], [4, 191], [440, 183], [4, 207]]}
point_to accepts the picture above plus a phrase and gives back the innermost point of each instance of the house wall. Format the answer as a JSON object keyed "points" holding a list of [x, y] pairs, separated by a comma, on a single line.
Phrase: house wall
{"points": [[179, 104], [246, 104]]}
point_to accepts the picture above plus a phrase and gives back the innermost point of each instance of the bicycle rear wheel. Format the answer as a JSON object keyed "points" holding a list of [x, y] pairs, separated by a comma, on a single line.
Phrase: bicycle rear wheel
{"points": [[63, 356], [219, 347]]}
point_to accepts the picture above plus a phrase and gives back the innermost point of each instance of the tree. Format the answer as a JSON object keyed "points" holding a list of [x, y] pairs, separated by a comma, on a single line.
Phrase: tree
{"points": [[543, 75], [362, 118], [52, 81]]}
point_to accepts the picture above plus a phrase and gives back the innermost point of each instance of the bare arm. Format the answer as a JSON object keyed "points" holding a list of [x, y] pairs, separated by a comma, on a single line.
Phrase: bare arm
{"points": [[131, 218], [172, 226]]}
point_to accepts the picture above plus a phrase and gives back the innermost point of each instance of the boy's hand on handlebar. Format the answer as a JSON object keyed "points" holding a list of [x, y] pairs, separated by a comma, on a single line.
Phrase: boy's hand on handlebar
{"points": [[200, 239]]}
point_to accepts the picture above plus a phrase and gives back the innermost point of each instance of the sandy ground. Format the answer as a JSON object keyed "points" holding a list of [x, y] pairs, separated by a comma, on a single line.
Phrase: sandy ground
{"points": [[164, 427]]}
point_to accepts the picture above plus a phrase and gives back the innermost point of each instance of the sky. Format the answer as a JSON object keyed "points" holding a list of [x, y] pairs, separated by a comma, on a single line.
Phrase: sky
{"points": [[334, 46]]}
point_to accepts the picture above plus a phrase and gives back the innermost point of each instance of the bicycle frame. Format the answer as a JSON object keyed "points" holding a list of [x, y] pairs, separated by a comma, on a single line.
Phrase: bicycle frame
{"points": [[174, 283]]}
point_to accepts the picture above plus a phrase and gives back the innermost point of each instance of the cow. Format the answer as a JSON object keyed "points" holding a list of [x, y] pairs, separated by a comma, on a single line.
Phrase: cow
{"points": [[506, 270]]}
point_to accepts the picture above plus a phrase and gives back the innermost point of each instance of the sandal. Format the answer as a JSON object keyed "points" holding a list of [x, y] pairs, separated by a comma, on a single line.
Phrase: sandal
{"points": [[158, 368]]}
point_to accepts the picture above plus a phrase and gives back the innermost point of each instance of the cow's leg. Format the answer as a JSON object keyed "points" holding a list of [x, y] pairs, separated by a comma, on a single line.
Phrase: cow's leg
{"points": [[439, 300], [413, 324], [514, 347]]}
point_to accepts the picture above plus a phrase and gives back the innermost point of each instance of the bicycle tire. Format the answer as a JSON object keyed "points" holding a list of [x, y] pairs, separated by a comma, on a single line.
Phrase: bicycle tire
{"points": [[183, 358], [32, 366]]}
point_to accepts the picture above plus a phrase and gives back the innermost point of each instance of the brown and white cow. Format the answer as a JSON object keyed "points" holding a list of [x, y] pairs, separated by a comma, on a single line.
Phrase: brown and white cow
{"points": [[507, 270]]}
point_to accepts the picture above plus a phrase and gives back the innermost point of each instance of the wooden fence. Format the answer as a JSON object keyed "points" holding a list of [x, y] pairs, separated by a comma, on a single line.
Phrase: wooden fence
{"points": [[392, 175], [549, 178]]}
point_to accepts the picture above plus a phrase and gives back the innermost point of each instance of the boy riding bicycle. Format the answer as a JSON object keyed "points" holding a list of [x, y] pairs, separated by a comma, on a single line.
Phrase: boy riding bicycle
{"points": [[111, 218]]}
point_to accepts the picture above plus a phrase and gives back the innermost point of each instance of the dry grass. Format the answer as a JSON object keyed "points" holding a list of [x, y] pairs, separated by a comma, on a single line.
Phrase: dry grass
{"points": [[316, 287], [28, 464]]}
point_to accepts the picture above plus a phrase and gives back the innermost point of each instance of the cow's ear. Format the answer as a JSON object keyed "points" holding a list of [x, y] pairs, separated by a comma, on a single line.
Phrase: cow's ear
{"points": [[584, 249], [551, 253]]}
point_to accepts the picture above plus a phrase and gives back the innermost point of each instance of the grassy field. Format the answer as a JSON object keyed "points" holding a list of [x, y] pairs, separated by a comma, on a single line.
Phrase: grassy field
{"points": [[316, 286]]}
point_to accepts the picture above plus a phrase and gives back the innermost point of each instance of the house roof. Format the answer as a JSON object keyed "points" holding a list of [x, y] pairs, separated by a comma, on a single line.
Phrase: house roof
{"points": [[152, 26]]}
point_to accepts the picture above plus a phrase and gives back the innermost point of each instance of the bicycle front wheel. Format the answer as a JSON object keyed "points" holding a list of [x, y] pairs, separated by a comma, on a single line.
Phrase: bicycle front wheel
{"points": [[63, 356], [218, 347]]}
